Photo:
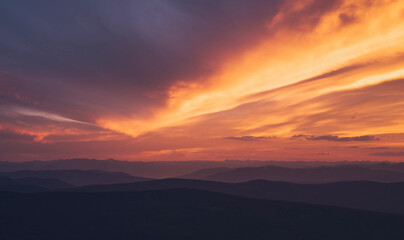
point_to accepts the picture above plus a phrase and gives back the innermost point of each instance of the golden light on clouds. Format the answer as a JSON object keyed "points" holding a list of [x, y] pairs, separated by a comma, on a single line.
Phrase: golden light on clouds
{"points": [[310, 79], [352, 33]]}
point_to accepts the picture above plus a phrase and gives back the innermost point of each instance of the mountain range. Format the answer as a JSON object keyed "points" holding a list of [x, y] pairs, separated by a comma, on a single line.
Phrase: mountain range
{"points": [[169, 169], [76, 177], [382, 197], [94, 199], [324, 174]]}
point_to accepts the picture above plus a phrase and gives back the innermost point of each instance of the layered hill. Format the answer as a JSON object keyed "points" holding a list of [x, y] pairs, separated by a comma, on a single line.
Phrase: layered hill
{"points": [[76, 177], [328, 174], [183, 214], [383, 197]]}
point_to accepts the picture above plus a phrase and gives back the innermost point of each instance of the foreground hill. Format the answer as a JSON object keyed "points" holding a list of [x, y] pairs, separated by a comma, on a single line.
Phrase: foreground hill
{"points": [[383, 197], [39, 182], [76, 177], [182, 214], [29, 184], [302, 175]]}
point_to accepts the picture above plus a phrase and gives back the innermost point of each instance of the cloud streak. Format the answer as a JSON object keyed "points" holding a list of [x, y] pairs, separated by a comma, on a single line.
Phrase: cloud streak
{"points": [[337, 138], [389, 154], [250, 138]]}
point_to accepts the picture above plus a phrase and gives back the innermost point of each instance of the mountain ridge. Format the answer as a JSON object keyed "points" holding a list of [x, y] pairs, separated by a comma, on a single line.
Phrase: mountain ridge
{"points": [[77, 177], [366, 195]]}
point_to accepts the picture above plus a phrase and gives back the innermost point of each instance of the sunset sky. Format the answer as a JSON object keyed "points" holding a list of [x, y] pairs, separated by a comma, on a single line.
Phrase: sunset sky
{"points": [[202, 80]]}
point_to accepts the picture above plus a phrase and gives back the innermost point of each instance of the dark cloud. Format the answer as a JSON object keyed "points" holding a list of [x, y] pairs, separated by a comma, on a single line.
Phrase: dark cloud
{"points": [[324, 153], [31, 126], [384, 148], [92, 56], [308, 17], [374, 148], [347, 19], [249, 138], [333, 73], [389, 154], [9, 135], [335, 138]]}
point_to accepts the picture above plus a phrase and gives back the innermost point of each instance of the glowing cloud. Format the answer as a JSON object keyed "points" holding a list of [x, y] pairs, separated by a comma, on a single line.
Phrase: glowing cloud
{"points": [[181, 79]]}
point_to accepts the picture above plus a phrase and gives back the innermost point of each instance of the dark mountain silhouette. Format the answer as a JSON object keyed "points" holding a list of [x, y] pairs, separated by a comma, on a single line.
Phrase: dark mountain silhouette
{"points": [[77, 177], [300, 175], [383, 197], [395, 167], [164, 169], [30, 184], [183, 214], [144, 169], [203, 173], [21, 188]]}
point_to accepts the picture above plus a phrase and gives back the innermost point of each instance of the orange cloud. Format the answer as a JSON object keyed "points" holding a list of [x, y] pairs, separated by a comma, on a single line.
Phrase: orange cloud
{"points": [[346, 33], [333, 70]]}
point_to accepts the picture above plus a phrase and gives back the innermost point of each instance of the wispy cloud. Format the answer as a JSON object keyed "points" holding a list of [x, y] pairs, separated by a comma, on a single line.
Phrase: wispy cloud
{"points": [[37, 113], [336, 138], [250, 138], [389, 154]]}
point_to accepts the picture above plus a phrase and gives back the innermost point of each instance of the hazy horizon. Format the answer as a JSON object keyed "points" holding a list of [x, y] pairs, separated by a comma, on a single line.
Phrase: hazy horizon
{"points": [[219, 160]]}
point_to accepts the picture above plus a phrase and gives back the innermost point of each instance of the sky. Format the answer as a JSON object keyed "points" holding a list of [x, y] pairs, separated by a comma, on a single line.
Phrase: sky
{"points": [[175, 80]]}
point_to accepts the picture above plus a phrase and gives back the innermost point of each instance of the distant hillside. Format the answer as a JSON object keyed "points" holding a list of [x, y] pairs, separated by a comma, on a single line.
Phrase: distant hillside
{"points": [[203, 173], [395, 167], [30, 184], [383, 197], [300, 175], [164, 169], [143, 169], [76, 177], [183, 214]]}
